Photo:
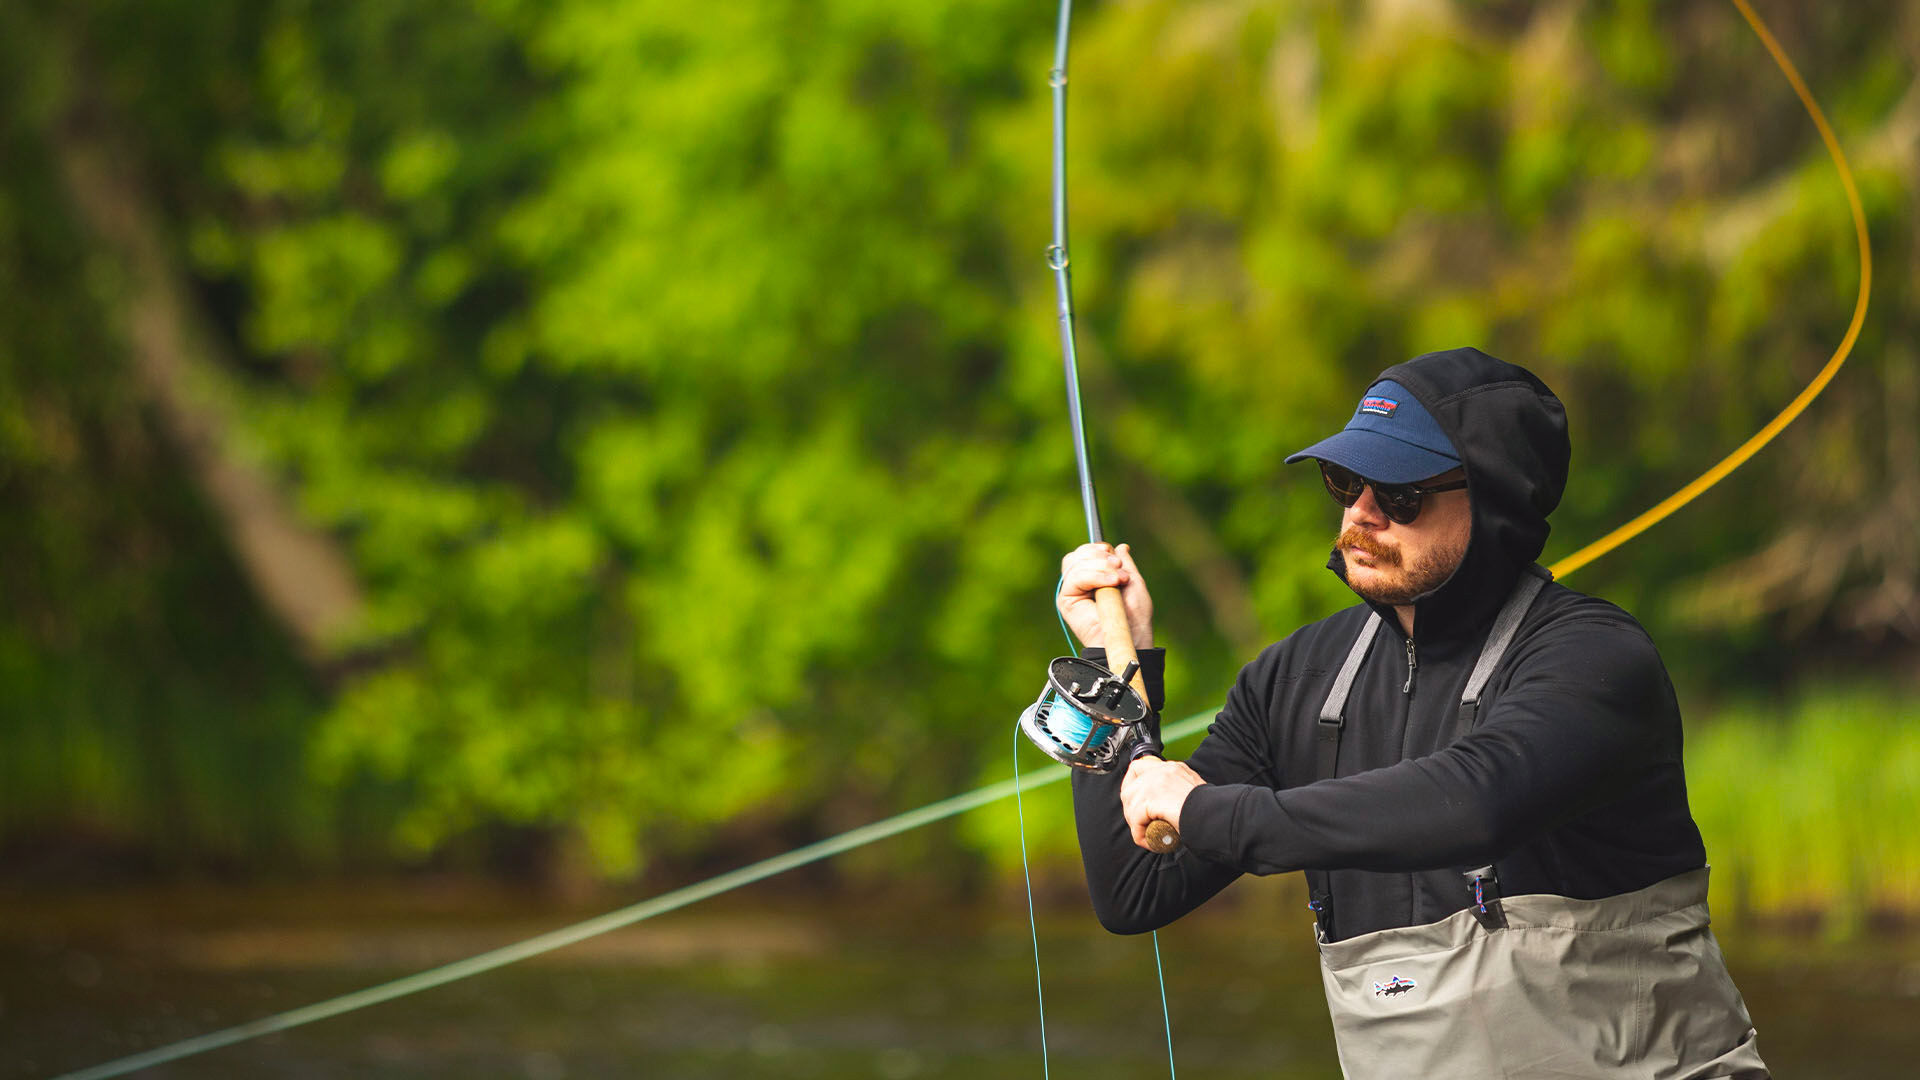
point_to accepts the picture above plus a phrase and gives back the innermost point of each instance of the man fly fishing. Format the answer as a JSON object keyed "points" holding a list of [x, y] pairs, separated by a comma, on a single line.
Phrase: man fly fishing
{"points": [[1479, 770]]}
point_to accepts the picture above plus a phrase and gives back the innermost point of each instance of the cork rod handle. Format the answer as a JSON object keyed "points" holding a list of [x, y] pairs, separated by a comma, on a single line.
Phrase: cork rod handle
{"points": [[1118, 635]]}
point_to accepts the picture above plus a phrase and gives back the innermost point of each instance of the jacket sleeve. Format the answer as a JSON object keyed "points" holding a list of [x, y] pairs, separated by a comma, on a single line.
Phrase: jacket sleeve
{"points": [[1134, 890], [1587, 710]]}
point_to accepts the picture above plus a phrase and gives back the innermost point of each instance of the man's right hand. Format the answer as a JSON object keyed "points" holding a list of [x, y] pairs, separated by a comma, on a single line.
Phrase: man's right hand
{"points": [[1096, 566]]}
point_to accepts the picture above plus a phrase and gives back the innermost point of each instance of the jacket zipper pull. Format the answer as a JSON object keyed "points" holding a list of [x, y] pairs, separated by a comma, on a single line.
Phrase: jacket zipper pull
{"points": [[1411, 665]]}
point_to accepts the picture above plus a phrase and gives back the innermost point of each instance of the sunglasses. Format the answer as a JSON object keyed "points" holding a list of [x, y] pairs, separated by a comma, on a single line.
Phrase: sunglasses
{"points": [[1400, 502]]}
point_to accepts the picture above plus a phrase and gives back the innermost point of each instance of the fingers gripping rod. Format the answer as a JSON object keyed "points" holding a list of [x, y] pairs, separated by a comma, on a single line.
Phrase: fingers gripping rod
{"points": [[1114, 627]]}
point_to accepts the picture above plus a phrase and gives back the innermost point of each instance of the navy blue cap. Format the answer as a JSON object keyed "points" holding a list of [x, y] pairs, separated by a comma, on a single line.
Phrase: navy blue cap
{"points": [[1391, 438]]}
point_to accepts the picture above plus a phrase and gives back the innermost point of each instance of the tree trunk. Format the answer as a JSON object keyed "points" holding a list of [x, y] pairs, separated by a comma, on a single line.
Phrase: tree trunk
{"points": [[299, 572]]}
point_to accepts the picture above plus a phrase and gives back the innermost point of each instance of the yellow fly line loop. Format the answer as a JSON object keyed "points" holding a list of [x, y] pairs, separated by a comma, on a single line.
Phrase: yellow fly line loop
{"points": [[1799, 404]]}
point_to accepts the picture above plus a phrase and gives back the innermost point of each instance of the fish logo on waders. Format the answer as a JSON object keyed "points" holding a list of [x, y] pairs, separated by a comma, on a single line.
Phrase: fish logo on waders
{"points": [[1393, 987]]}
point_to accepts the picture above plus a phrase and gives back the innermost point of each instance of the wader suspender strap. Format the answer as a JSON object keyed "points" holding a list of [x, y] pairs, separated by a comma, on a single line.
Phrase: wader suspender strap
{"points": [[1333, 716], [1505, 625], [1484, 882], [1333, 713]]}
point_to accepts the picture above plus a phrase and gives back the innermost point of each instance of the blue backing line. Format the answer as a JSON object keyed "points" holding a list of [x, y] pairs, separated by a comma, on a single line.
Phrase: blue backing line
{"points": [[1039, 989], [1177, 731], [1166, 1019], [613, 920]]}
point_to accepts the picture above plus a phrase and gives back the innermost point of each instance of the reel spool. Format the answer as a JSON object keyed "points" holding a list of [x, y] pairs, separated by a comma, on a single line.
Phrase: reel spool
{"points": [[1086, 716]]}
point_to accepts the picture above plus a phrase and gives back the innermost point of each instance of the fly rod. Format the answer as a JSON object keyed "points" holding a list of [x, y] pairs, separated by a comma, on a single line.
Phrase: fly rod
{"points": [[1088, 716]]}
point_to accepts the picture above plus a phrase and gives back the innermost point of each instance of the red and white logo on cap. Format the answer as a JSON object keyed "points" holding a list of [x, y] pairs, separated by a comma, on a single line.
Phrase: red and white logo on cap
{"points": [[1379, 406]]}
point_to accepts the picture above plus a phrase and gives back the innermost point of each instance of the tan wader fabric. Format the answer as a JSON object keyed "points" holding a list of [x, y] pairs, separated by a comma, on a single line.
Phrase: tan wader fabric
{"points": [[1629, 986]]}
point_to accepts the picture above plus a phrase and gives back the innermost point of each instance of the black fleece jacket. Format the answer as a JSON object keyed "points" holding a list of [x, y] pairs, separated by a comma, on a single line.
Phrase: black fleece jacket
{"points": [[1570, 781]]}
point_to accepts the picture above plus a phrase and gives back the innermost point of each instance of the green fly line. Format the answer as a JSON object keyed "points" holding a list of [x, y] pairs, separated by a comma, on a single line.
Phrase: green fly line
{"points": [[991, 793], [601, 924]]}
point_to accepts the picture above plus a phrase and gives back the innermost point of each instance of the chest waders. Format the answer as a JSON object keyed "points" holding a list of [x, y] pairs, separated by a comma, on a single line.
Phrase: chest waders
{"points": [[1536, 986]]}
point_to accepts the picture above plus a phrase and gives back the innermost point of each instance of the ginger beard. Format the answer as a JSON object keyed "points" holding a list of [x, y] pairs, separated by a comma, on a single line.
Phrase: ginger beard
{"points": [[1390, 582]]}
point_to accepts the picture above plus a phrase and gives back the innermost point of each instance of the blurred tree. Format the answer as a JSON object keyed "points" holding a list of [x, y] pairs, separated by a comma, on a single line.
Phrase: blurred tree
{"points": [[682, 382]]}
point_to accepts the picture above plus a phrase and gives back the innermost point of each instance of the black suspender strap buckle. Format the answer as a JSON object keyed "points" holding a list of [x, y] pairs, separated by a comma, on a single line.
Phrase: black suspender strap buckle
{"points": [[1320, 902], [1485, 886], [1326, 750]]}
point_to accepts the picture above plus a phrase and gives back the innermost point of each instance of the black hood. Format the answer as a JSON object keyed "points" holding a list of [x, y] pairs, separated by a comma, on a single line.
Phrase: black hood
{"points": [[1511, 434]]}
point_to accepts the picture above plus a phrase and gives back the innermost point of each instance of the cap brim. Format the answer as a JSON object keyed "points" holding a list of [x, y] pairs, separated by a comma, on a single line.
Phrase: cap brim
{"points": [[1377, 457]]}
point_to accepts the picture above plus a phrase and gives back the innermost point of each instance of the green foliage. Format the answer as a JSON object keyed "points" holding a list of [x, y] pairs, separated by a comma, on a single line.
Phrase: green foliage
{"points": [[683, 382]]}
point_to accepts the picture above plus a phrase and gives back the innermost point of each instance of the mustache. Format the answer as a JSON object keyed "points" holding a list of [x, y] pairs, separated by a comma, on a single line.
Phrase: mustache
{"points": [[1361, 540]]}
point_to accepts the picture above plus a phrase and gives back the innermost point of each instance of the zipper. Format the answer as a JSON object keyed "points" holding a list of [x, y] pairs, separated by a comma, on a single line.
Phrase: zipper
{"points": [[1412, 664]]}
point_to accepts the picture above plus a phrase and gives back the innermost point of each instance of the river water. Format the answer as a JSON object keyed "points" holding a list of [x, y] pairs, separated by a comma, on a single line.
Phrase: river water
{"points": [[773, 983]]}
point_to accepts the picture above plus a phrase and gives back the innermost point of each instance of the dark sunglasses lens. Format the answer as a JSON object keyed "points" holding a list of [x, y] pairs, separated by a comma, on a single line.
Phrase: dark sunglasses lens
{"points": [[1400, 502], [1344, 485]]}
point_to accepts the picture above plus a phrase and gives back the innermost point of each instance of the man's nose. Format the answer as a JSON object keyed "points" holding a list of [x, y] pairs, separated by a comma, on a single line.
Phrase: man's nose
{"points": [[1366, 511]]}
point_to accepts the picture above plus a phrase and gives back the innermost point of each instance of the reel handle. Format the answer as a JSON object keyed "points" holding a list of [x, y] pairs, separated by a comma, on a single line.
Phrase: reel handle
{"points": [[1118, 635]]}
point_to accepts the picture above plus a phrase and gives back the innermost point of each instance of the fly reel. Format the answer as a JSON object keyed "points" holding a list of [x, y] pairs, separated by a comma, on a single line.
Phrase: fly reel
{"points": [[1087, 716], [1092, 719]]}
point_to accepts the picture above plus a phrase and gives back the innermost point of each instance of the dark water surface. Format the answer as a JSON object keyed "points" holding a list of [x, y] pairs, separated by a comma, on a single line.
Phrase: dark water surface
{"points": [[768, 984]]}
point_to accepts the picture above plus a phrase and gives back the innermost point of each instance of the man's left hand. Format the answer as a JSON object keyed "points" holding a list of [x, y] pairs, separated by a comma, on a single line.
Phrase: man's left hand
{"points": [[1155, 789]]}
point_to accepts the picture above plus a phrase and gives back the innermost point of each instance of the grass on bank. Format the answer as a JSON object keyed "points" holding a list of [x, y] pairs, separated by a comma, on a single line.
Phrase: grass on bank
{"points": [[1811, 808]]}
